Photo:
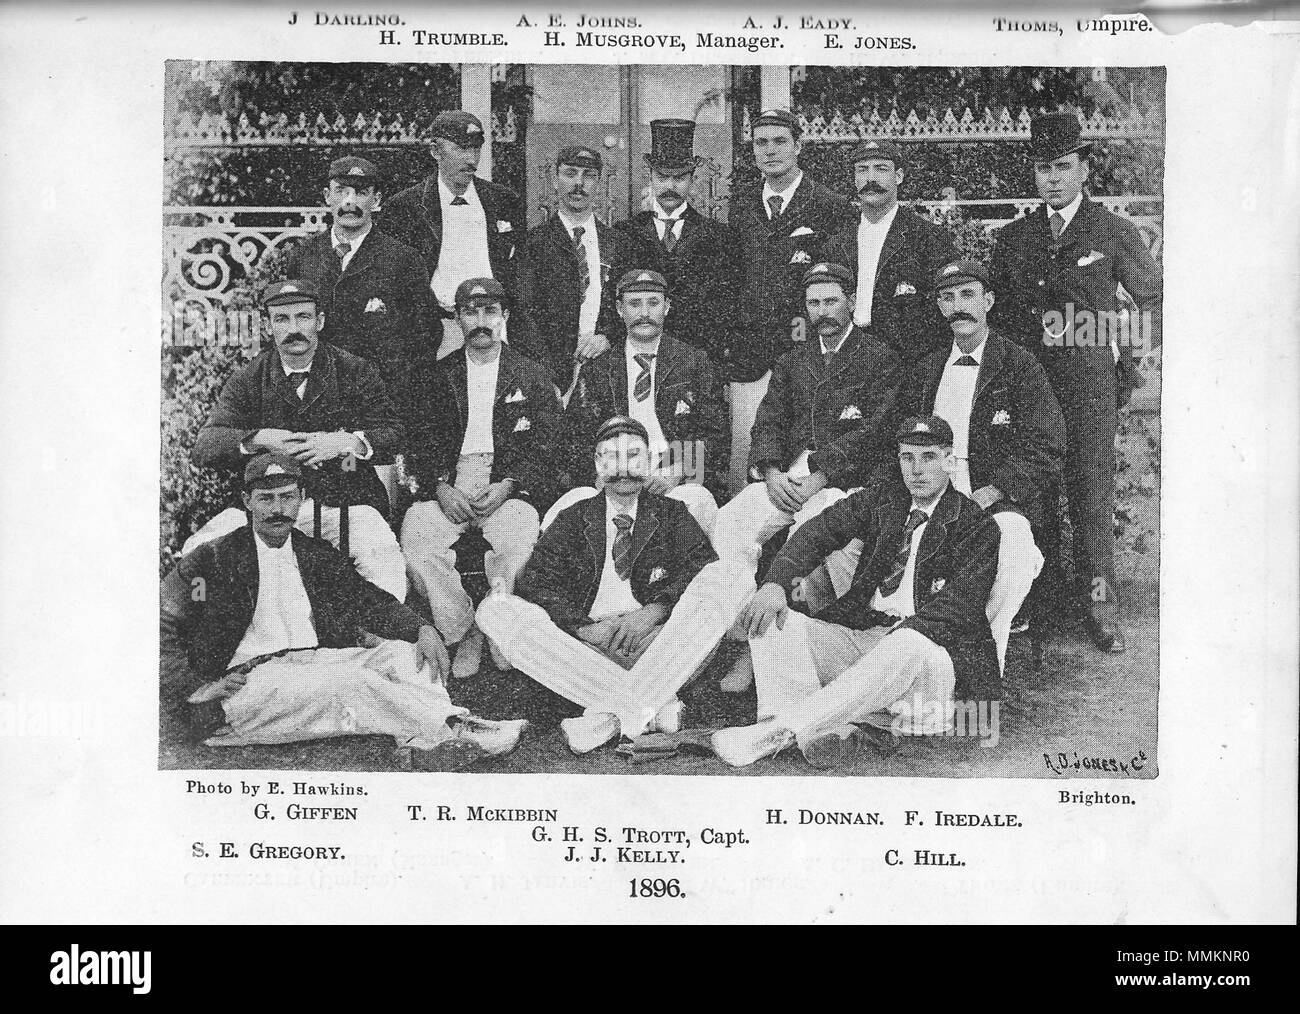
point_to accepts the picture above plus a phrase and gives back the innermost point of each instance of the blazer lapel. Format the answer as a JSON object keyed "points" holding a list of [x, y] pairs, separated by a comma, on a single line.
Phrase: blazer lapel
{"points": [[936, 529], [594, 529], [647, 523], [847, 351], [691, 231], [895, 238], [990, 365], [431, 204], [458, 374], [322, 379], [364, 257]]}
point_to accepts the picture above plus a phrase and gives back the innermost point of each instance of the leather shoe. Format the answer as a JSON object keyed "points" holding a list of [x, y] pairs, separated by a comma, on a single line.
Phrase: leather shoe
{"points": [[590, 731], [832, 749], [495, 738], [1105, 633], [744, 745]]}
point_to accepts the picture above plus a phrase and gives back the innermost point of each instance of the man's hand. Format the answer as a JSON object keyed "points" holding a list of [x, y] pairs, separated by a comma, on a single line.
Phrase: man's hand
{"points": [[434, 651], [229, 685], [486, 503], [315, 449], [592, 345], [632, 628], [766, 604], [275, 441], [782, 491], [809, 486], [662, 482], [987, 496], [597, 634], [456, 506]]}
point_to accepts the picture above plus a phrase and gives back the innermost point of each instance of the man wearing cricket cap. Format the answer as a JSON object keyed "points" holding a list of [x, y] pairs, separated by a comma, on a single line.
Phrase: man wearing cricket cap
{"points": [[464, 226], [327, 409], [570, 264], [373, 290], [621, 603], [481, 440], [275, 631], [1008, 433], [909, 637], [668, 386]]}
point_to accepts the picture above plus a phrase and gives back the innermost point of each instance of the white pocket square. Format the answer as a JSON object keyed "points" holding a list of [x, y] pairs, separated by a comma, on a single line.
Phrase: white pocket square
{"points": [[937, 584], [658, 574], [514, 396], [803, 230], [904, 289], [1002, 418], [504, 226], [851, 412], [376, 305], [1093, 257], [800, 257], [682, 408], [522, 424]]}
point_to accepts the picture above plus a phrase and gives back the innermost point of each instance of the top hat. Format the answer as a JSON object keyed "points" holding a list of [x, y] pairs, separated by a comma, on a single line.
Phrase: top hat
{"points": [[672, 146], [1055, 134]]}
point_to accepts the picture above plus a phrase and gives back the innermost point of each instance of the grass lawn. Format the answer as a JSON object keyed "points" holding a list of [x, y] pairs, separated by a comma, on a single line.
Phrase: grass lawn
{"points": [[1084, 705]]}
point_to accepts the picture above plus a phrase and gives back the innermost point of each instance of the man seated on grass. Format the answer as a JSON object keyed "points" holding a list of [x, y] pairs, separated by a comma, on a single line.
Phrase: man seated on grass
{"points": [[911, 633], [278, 630], [622, 602]]}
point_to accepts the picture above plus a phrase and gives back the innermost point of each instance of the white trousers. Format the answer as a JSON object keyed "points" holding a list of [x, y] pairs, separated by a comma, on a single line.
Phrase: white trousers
{"points": [[699, 501], [536, 646], [386, 690], [427, 538], [746, 522], [745, 399], [815, 677], [371, 542], [1019, 561]]}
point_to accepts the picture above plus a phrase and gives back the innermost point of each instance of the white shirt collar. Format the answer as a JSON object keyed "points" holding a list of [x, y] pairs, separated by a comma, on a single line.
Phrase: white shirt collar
{"points": [[1068, 212], [638, 348], [840, 344], [355, 243], [446, 196], [659, 212], [611, 508], [588, 223], [927, 511], [884, 223], [301, 369], [280, 552], [785, 194], [976, 353]]}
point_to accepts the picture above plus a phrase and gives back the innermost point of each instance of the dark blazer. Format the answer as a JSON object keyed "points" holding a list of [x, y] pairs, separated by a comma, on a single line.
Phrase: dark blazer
{"points": [[845, 412], [414, 216], [956, 563], [773, 262], [703, 277], [344, 392], [1032, 274], [1016, 436], [201, 633], [563, 575], [688, 403], [549, 301], [395, 335], [525, 414], [904, 314]]}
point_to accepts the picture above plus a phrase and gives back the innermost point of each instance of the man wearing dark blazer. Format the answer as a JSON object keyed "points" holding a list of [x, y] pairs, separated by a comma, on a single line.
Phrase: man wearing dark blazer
{"points": [[907, 639], [671, 388], [327, 409], [482, 427], [695, 254], [780, 230], [277, 630], [567, 275], [1009, 435], [463, 225], [621, 603], [894, 252], [374, 292], [1056, 273]]}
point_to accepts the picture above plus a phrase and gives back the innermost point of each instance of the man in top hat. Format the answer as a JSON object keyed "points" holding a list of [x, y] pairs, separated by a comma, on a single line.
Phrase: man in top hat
{"points": [[1057, 273], [463, 225], [567, 275], [780, 231], [275, 632], [482, 428], [1008, 432], [907, 639], [621, 603], [694, 253], [327, 409], [373, 290], [894, 252], [668, 386]]}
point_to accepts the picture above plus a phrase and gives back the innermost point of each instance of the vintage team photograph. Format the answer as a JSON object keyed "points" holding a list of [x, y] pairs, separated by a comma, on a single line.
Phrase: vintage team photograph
{"points": [[655, 419]]}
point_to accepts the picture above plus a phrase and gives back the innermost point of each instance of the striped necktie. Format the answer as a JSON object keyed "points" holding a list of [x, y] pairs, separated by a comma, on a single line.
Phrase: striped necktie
{"points": [[914, 521], [296, 379], [670, 232], [342, 250], [623, 545], [774, 202], [1057, 222], [641, 389], [584, 273]]}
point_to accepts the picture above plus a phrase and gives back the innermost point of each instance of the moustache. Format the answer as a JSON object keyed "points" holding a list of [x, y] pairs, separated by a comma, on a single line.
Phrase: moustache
{"points": [[871, 188], [960, 315], [349, 210], [826, 320], [479, 330], [280, 519], [296, 336]]}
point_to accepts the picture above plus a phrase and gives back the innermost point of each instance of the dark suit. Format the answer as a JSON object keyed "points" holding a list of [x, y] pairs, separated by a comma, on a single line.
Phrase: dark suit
{"points": [[414, 216], [956, 562], [1033, 275], [344, 392], [1016, 435], [702, 273], [688, 403], [844, 412], [904, 314], [772, 262], [379, 308], [200, 635], [524, 426], [563, 576], [551, 302]]}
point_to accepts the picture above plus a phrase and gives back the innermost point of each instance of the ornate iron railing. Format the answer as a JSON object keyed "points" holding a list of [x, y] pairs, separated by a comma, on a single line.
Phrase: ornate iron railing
{"points": [[214, 131]]}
